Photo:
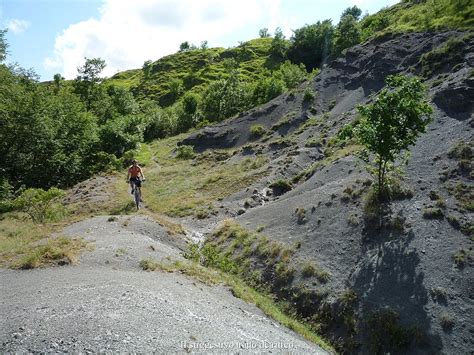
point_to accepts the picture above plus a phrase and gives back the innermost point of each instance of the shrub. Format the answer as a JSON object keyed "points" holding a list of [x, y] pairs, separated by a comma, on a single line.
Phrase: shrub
{"points": [[308, 270], [37, 203], [313, 142], [185, 152], [451, 51], [301, 215], [447, 322], [461, 258], [257, 130], [308, 95]]}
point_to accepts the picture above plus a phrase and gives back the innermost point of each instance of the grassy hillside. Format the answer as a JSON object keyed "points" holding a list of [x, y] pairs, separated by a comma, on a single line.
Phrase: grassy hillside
{"points": [[193, 70], [420, 15]]}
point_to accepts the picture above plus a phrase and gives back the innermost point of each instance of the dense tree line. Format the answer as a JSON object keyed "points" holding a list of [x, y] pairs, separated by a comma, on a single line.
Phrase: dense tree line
{"points": [[58, 133]]}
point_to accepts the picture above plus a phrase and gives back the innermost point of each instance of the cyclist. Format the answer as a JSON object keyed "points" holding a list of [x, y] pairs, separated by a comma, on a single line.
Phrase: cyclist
{"points": [[133, 176]]}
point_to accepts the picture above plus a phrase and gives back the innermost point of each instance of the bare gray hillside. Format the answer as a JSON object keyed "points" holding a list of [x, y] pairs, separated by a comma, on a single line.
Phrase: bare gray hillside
{"points": [[413, 278]]}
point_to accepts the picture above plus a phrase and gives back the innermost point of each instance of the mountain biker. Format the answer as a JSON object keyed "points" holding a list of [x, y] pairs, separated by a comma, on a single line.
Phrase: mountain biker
{"points": [[133, 176]]}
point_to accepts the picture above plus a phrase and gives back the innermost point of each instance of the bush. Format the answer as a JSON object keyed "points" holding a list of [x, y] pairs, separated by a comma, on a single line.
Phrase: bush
{"points": [[185, 152], [257, 130], [308, 95], [37, 203]]}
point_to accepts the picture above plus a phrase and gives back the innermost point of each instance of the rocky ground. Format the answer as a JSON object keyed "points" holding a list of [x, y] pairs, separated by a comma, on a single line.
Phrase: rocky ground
{"points": [[107, 303], [419, 268]]}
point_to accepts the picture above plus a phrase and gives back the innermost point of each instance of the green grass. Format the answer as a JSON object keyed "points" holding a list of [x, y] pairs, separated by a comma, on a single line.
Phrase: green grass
{"points": [[177, 187], [25, 245], [257, 130], [429, 15], [196, 69]]}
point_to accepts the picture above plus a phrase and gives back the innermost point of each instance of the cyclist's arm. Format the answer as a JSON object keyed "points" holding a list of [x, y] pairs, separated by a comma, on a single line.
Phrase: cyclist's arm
{"points": [[141, 173], [128, 174]]}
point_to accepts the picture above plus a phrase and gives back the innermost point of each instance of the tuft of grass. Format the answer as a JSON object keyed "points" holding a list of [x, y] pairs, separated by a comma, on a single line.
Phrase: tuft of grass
{"points": [[464, 194], [300, 215], [447, 322], [461, 258], [56, 251], [257, 130], [308, 270], [283, 121], [452, 51], [353, 220], [313, 142]]}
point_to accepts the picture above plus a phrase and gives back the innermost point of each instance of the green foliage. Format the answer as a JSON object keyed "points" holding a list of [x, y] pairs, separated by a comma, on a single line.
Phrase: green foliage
{"points": [[257, 130], [263, 33], [392, 123], [347, 33], [292, 74], [88, 79], [185, 152], [122, 133], [3, 45], [224, 98], [37, 202], [312, 44], [452, 51], [308, 95], [279, 45], [420, 16]]}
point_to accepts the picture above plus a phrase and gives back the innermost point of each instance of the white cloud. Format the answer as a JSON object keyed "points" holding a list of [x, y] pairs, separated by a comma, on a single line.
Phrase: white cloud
{"points": [[129, 32], [17, 26]]}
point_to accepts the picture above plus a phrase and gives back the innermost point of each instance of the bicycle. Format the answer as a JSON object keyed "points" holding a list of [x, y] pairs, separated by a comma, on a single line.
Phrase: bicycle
{"points": [[136, 194]]}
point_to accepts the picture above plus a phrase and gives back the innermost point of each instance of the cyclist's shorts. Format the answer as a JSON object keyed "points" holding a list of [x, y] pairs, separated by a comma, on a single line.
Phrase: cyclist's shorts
{"points": [[137, 181]]}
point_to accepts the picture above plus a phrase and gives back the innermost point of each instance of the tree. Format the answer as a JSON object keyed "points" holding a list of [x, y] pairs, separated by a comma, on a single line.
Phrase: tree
{"points": [[312, 44], [292, 74], [146, 69], [279, 45], [392, 123], [88, 79], [263, 33], [3, 45], [347, 33], [354, 11], [58, 79], [184, 46], [204, 45]]}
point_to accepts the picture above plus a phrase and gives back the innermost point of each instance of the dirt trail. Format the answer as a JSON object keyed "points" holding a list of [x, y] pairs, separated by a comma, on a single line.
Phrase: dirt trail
{"points": [[107, 303]]}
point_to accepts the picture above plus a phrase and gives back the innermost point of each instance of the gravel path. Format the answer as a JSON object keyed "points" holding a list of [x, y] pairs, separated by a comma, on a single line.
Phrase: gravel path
{"points": [[106, 303]]}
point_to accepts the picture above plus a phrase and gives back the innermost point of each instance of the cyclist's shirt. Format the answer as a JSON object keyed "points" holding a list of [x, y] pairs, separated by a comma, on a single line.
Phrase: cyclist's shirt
{"points": [[134, 171]]}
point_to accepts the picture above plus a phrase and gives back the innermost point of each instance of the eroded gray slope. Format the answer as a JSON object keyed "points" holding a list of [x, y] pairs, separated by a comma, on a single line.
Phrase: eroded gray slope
{"points": [[409, 268], [106, 303]]}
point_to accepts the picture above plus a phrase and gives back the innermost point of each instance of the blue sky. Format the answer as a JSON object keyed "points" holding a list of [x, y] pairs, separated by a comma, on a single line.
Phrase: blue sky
{"points": [[54, 36]]}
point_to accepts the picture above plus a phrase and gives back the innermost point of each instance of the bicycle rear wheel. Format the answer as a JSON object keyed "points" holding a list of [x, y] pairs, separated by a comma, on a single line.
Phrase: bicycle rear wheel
{"points": [[136, 195]]}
